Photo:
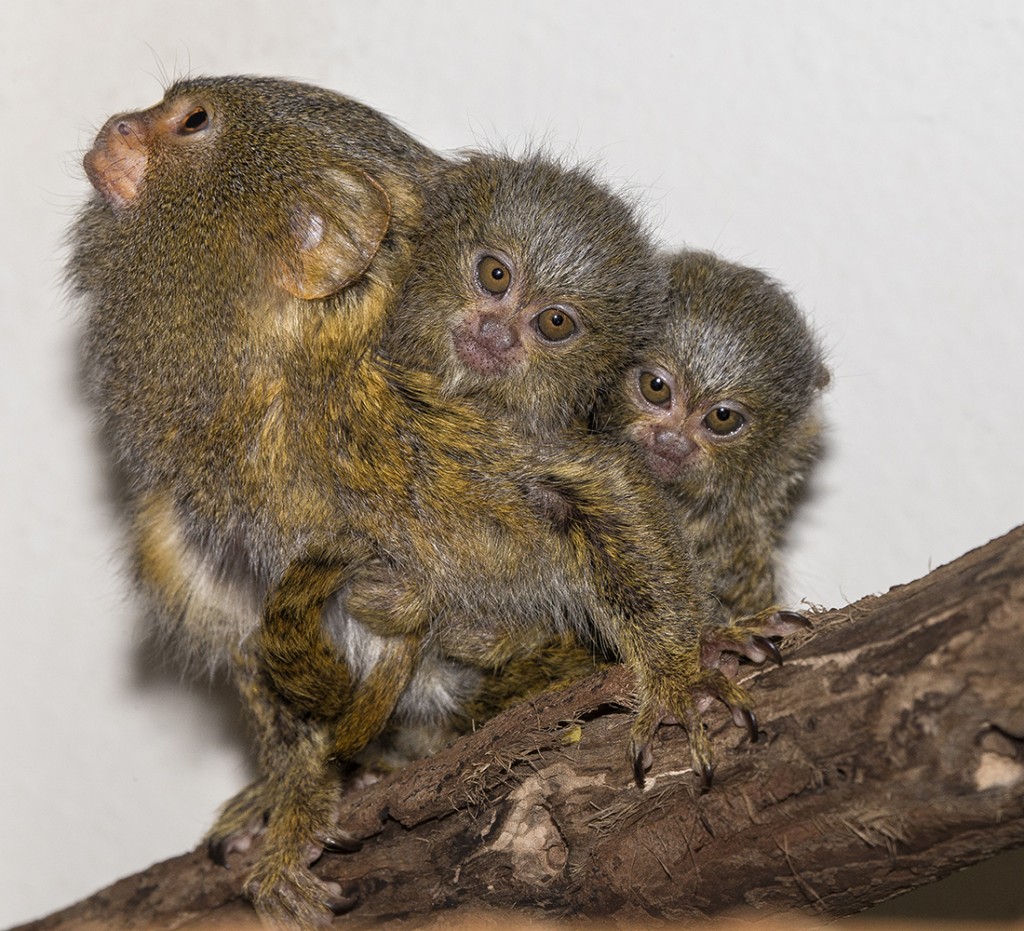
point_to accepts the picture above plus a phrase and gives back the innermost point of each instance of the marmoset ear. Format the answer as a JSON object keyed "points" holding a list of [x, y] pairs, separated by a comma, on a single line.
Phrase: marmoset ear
{"points": [[337, 228]]}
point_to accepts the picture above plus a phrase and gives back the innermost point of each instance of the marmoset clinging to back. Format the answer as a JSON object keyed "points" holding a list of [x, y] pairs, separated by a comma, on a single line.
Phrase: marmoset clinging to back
{"points": [[533, 289], [725, 409]]}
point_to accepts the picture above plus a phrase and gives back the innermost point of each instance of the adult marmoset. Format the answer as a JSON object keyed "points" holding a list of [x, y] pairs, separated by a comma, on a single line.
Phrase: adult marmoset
{"points": [[238, 263], [245, 240]]}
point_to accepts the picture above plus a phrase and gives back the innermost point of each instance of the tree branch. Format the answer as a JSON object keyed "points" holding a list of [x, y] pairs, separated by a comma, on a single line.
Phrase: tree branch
{"points": [[891, 754]]}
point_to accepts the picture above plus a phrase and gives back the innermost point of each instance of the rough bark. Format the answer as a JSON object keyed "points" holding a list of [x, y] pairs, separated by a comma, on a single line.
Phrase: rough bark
{"points": [[891, 754]]}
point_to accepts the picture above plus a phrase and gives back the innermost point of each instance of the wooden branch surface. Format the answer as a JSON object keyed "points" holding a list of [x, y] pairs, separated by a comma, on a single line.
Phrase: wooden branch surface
{"points": [[891, 754]]}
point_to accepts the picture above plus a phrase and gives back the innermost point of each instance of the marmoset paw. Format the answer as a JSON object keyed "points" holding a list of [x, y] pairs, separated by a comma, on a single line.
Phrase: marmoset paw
{"points": [[288, 895], [675, 702], [749, 637], [342, 843], [240, 822]]}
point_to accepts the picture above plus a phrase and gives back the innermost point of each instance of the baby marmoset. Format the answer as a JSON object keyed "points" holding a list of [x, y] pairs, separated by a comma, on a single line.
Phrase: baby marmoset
{"points": [[534, 288], [725, 407]]}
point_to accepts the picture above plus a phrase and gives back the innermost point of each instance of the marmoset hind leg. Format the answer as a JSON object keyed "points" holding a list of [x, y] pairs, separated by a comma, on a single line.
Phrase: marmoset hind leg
{"points": [[294, 807], [310, 713]]}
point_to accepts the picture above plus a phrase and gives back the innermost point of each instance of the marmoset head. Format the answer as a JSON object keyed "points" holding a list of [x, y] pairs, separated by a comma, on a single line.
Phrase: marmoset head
{"points": [[729, 396], [535, 287]]}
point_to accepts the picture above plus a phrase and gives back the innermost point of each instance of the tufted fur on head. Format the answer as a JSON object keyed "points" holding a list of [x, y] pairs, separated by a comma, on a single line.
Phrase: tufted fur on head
{"points": [[578, 294]]}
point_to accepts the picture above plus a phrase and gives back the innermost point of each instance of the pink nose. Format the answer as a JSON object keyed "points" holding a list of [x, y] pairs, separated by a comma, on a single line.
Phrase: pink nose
{"points": [[116, 163], [677, 444], [487, 345], [495, 335]]}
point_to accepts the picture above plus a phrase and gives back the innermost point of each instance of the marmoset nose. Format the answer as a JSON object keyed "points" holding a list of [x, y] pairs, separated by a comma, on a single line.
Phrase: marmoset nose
{"points": [[496, 334]]}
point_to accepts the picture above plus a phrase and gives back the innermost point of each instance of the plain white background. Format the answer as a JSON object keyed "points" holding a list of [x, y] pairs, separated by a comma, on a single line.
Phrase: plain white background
{"points": [[868, 155]]}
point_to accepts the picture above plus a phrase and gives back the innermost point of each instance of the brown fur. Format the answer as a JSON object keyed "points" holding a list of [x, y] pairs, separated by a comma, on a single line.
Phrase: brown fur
{"points": [[245, 243], [733, 335], [239, 265]]}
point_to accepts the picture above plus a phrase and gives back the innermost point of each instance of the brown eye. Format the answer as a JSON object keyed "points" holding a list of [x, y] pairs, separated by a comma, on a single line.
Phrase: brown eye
{"points": [[197, 120], [724, 420], [654, 388], [555, 324], [493, 275]]}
